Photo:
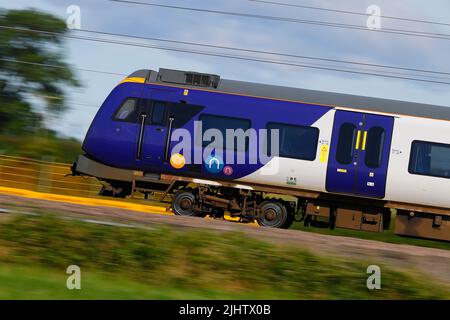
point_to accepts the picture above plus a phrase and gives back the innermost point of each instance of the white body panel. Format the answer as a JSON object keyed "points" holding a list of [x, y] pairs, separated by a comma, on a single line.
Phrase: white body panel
{"points": [[302, 174], [403, 186]]}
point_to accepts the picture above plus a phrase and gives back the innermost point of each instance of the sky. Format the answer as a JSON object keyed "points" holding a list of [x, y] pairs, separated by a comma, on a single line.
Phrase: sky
{"points": [[250, 33]]}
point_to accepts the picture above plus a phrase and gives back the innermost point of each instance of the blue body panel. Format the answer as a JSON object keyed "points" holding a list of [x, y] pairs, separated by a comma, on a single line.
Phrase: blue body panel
{"points": [[341, 177], [372, 181], [114, 143]]}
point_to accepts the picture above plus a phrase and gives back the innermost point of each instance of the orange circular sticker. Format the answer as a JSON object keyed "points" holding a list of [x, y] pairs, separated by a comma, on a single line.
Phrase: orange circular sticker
{"points": [[177, 161]]}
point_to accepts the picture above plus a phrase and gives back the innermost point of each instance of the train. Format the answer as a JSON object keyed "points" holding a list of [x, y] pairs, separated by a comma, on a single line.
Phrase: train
{"points": [[273, 154]]}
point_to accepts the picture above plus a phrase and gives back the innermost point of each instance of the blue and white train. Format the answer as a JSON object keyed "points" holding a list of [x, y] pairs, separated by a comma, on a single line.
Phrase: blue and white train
{"points": [[343, 161]]}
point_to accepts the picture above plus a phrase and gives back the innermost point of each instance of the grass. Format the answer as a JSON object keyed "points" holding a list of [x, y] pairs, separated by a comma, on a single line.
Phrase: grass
{"points": [[165, 263], [25, 282]]}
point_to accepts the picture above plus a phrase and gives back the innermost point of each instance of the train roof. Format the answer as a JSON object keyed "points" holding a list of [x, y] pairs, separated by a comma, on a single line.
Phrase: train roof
{"points": [[197, 80]]}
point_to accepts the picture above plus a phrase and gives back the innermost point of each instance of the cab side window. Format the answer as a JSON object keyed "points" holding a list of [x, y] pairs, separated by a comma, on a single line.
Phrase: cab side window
{"points": [[128, 111], [158, 112]]}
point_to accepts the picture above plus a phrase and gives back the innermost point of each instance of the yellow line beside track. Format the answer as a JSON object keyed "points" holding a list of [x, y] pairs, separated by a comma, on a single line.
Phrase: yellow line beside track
{"points": [[36, 168], [83, 201], [96, 202]]}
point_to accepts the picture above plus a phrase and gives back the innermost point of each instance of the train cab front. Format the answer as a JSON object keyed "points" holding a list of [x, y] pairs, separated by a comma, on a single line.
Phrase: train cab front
{"points": [[115, 137]]}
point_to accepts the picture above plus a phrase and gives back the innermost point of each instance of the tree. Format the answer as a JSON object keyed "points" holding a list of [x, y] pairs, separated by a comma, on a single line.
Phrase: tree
{"points": [[31, 65]]}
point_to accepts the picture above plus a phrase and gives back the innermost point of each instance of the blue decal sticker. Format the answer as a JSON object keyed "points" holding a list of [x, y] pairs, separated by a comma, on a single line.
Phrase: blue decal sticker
{"points": [[214, 164]]}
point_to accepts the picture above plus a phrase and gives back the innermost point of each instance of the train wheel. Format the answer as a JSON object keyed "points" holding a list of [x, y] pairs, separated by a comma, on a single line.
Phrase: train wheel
{"points": [[272, 214], [183, 204], [289, 221]]}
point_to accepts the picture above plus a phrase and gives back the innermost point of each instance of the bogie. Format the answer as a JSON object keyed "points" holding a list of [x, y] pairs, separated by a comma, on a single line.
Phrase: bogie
{"points": [[243, 204], [185, 203]]}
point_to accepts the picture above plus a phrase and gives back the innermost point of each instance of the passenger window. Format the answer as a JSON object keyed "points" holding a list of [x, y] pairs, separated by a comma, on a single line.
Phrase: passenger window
{"points": [[296, 142], [158, 113], [430, 159], [346, 143], [222, 124], [374, 147], [127, 111]]}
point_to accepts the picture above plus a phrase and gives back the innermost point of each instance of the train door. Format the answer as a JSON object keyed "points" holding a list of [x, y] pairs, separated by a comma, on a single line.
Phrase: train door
{"points": [[120, 142], [166, 111], [153, 130], [359, 154]]}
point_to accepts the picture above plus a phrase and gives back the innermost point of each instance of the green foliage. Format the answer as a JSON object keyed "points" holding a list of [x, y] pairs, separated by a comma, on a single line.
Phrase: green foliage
{"points": [[35, 282], [191, 264], [21, 83], [44, 143]]}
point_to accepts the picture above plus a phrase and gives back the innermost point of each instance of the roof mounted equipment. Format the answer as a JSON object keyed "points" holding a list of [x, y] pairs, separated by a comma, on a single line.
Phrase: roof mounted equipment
{"points": [[188, 78]]}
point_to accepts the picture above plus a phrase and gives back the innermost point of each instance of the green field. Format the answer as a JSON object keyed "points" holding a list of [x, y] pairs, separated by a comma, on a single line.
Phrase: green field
{"points": [[165, 263]]}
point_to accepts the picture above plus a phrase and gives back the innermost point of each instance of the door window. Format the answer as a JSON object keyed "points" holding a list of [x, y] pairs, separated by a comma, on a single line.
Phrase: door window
{"points": [[374, 147], [346, 143]]}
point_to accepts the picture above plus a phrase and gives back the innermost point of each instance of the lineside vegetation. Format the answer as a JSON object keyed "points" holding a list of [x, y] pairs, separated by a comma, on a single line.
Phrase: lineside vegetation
{"points": [[162, 262]]}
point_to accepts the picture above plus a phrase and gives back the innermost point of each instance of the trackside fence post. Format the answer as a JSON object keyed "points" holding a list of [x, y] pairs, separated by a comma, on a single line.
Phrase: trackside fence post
{"points": [[1, 165], [45, 174], [93, 187]]}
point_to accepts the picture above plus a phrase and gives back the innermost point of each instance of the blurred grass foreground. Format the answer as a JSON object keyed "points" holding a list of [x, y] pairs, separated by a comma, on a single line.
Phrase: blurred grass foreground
{"points": [[163, 263]]}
